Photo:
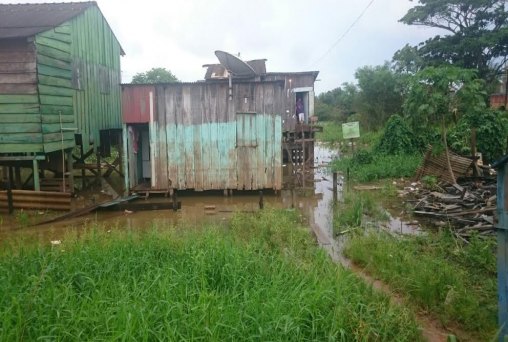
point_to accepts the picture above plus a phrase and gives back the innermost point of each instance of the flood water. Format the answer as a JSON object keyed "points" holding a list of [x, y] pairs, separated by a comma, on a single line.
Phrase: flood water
{"points": [[308, 190]]}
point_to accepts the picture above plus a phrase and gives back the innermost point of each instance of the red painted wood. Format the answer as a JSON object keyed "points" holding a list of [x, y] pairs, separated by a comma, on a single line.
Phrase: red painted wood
{"points": [[136, 103]]}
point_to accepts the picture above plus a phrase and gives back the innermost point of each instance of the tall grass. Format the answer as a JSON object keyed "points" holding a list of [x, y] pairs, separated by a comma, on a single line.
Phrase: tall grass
{"points": [[438, 273], [378, 166], [357, 206], [260, 278]]}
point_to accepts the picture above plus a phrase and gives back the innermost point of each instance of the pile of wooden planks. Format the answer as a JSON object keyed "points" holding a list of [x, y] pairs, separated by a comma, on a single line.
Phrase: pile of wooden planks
{"points": [[469, 208]]}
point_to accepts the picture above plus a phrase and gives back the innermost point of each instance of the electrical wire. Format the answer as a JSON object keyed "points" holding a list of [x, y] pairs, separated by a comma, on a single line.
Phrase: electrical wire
{"points": [[345, 33]]}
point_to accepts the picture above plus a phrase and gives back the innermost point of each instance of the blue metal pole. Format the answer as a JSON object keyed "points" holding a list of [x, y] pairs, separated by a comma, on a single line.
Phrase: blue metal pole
{"points": [[502, 252]]}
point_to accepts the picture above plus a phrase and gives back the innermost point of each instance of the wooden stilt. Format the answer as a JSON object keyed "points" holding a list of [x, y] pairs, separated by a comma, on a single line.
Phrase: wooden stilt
{"points": [[17, 175], [70, 170], [37, 183]]}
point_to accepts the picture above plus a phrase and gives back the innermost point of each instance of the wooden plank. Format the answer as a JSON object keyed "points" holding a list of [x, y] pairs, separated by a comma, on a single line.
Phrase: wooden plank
{"points": [[52, 119], [57, 145], [9, 56], [162, 161], [51, 52], [21, 128], [18, 78], [14, 67], [20, 148], [60, 36], [66, 29], [19, 118], [20, 138], [55, 81], [20, 108], [56, 110], [58, 136], [50, 61], [54, 72], [53, 43], [54, 128], [13, 99], [19, 88], [55, 91], [56, 100]]}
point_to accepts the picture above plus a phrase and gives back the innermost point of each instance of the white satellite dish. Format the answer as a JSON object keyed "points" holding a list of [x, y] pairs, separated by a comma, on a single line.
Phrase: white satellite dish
{"points": [[235, 65]]}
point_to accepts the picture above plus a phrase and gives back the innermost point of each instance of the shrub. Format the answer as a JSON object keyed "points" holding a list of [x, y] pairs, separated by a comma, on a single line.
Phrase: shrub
{"points": [[397, 137]]}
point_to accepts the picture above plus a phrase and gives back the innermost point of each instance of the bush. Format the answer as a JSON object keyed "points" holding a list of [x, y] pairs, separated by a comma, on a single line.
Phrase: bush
{"points": [[397, 137]]}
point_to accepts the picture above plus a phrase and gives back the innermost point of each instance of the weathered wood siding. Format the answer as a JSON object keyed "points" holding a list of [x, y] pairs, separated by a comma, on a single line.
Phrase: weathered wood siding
{"points": [[54, 73], [20, 120], [292, 81], [201, 140], [95, 53]]}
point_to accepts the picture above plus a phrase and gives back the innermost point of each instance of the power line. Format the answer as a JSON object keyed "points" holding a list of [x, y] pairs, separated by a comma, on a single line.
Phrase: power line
{"points": [[345, 33]]}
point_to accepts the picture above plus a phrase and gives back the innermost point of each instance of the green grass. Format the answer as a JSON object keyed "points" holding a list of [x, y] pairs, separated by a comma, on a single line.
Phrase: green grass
{"points": [[356, 207], [456, 282], [260, 277], [378, 166], [332, 133]]}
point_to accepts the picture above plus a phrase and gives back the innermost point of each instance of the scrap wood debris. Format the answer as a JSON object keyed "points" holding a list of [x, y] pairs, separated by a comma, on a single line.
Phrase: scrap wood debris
{"points": [[469, 208]]}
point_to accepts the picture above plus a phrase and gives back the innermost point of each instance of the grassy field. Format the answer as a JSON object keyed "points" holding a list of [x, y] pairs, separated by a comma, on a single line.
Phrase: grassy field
{"points": [[455, 281], [259, 277]]}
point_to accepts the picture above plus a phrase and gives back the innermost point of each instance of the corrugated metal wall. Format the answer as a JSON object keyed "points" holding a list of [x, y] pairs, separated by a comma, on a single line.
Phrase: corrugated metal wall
{"points": [[201, 140]]}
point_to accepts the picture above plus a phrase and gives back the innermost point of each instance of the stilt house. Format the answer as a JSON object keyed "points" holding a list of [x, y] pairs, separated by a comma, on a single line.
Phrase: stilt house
{"points": [[223, 133], [59, 83]]}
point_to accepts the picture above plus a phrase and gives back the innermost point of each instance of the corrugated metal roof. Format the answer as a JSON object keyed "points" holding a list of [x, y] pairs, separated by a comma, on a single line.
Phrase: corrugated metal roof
{"points": [[25, 20]]}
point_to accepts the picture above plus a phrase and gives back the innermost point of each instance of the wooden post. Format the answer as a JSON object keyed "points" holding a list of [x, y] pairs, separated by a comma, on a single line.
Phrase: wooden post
{"points": [[70, 170], [347, 178], [502, 247], [10, 203], [83, 171], [334, 186], [473, 152], [17, 177], [174, 198], [98, 175], [37, 183], [261, 201]]}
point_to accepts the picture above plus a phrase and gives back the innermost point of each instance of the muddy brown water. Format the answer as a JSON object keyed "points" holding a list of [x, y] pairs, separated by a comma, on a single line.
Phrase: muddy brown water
{"points": [[314, 202]]}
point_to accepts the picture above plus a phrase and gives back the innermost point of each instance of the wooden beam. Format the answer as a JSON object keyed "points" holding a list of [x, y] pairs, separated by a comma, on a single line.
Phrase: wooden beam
{"points": [[37, 184]]}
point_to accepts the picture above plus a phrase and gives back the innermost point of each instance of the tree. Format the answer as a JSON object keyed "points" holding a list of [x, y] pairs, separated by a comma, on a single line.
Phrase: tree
{"points": [[337, 104], [440, 96], [407, 60], [154, 75], [477, 34], [381, 93]]}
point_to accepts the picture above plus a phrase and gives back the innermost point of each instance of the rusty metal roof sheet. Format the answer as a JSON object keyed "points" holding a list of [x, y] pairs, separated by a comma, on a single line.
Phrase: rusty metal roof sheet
{"points": [[25, 20]]}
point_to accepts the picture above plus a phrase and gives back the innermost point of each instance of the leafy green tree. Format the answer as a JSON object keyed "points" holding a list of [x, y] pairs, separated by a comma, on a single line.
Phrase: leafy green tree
{"points": [[477, 34], [154, 75], [491, 134], [337, 104], [407, 60], [440, 96], [381, 94]]}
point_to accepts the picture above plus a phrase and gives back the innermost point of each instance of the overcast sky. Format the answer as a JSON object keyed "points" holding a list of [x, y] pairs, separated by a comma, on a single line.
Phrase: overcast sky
{"points": [[293, 35]]}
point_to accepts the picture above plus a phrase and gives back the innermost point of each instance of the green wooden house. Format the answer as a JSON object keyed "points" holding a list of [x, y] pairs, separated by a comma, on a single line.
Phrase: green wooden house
{"points": [[59, 81]]}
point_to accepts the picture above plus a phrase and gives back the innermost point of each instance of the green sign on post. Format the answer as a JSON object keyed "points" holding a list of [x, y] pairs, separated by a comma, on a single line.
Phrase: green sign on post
{"points": [[351, 130]]}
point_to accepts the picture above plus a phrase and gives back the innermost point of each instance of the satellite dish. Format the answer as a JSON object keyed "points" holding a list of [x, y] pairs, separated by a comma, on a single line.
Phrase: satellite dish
{"points": [[235, 65]]}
